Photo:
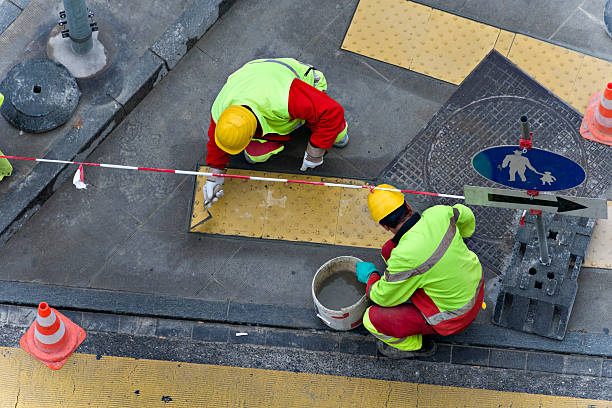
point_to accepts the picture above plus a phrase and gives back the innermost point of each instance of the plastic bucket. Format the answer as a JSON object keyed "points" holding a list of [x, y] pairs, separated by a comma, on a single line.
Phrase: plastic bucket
{"points": [[346, 318]]}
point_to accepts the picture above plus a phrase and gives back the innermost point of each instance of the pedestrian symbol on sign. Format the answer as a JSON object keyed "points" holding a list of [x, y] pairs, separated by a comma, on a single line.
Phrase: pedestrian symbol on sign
{"points": [[517, 163], [533, 169]]}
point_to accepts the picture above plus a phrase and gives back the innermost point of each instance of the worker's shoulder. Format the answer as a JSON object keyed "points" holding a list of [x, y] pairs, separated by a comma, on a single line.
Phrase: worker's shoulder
{"points": [[436, 212]]}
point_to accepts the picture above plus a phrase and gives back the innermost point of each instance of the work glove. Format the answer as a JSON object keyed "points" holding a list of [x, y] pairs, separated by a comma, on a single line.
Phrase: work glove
{"points": [[213, 189], [313, 157], [364, 270]]}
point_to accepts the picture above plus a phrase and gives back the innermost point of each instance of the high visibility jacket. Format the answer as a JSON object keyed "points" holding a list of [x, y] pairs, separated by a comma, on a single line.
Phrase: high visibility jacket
{"points": [[282, 93], [432, 267], [263, 85]]}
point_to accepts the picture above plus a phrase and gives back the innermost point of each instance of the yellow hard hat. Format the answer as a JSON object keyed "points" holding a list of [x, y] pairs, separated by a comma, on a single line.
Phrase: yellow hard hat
{"points": [[236, 128], [382, 203]]}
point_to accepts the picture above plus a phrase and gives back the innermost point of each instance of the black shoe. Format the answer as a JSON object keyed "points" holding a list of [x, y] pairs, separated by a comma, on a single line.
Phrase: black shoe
{"points": [[429, 349]]}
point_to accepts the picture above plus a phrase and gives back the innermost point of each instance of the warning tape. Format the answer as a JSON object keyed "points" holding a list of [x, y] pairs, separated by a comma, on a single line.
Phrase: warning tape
{"points": [[235, 176]]}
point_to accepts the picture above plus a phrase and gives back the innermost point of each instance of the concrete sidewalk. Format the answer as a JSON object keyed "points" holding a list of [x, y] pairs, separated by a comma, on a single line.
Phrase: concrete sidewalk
{"points": [[122, 245]]}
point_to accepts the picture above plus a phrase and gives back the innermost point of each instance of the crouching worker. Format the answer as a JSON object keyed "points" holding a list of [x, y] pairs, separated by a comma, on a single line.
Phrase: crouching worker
{"points": [[257, 109], [433, 283]]}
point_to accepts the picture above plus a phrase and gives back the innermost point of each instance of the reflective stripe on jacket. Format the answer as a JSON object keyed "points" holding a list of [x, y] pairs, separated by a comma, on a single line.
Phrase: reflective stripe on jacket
{"points": [[432, 267]]}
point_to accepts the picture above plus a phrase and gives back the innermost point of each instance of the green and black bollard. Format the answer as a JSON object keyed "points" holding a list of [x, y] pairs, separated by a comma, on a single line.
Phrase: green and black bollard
{"points": [[80, 25]]}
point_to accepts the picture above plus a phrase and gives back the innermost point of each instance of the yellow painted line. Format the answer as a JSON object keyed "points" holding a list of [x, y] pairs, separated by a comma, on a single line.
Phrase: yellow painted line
{"points": [[126, 382], [448, 47], [290, 212]]}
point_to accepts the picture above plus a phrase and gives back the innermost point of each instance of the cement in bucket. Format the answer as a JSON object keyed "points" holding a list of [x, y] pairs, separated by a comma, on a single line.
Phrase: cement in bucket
{"points": [[349, 316]]}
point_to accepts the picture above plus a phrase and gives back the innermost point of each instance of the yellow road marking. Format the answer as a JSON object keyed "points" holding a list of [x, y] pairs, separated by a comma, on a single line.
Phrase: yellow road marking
{"points": [[125, 382], [448, 47], [290, 212]]}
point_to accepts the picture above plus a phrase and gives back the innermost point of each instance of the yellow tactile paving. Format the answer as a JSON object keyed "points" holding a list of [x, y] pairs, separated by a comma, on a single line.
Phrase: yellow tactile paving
{"points": [[86, 381], [599, 253], [304, 212], [244, 217], [448, 47], [554, 67], [504, 42], [387, 33], [290, 212], [355, 227], [452, 46], [593, 76]]}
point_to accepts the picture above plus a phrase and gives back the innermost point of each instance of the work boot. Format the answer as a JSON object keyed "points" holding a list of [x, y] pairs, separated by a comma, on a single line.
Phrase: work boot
{"points": [[342, 142], [429, 349]]}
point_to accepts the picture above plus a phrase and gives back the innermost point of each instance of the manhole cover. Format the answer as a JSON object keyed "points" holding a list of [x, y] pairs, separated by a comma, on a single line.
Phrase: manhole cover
{"points": [[40, 95]]}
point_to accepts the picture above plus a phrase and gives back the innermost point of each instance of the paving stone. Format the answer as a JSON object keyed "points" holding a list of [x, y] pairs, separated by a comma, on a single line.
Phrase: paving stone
{"points": [[583, 366], [8, 13], [186, 31], [21, 316], [174, 328], [209, 332], [21, 3], [275, 315], [3, 314], [362, 346], [606, 370], [552, 363], [144, 326], [470, 355], [443, 354], [100, 322], [597, 344], [508, 359], [254, 336], [307, 341], [143, 76], [75, 316]]}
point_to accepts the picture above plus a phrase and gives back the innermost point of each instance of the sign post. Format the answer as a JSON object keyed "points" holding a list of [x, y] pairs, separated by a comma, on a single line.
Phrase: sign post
{"points": [[531, 170]]}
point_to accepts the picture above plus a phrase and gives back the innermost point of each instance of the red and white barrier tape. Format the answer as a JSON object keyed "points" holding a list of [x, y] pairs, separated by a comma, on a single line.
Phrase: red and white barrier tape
{"points": [[79, 176]]}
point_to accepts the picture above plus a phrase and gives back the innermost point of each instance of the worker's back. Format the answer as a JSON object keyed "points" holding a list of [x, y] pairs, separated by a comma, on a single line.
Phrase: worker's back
{"points": [[451, 281]]}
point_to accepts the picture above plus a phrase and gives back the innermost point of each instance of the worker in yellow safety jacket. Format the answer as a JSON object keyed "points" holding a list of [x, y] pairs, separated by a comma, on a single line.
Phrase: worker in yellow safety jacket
{"points": [[433, 283], [260, 106]]}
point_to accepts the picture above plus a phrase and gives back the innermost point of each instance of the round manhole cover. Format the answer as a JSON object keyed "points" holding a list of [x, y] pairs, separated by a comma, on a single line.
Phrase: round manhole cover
{"points": [[40, 95]]}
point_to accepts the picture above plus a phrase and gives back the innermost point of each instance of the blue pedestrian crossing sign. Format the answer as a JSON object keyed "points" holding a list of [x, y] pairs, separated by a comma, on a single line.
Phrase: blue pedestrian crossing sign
{"points": [[533, 169]]}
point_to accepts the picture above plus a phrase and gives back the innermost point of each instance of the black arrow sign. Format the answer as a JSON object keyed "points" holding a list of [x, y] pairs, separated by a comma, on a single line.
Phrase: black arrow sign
{"points": [[562, 204]]}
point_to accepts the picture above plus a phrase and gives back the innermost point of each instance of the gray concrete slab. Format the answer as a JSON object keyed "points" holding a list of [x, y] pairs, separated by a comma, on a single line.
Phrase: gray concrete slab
{"points": [[591, 307]]}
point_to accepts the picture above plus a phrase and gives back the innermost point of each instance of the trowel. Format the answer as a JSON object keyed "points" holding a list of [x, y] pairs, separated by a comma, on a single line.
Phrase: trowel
{"points": [[205, 219]]}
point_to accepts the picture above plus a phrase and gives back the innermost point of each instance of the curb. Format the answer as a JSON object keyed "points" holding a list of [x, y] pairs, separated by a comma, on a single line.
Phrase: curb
{"points": [[120, 330], [273, 316], [23, 200]]}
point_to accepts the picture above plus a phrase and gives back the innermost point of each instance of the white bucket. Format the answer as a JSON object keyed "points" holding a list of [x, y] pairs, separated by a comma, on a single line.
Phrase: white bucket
{"points": [[348, 317]]}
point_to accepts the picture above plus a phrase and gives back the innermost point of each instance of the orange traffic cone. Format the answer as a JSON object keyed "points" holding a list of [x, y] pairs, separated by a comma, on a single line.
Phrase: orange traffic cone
{"points": [[52, 337], [597, 122]]}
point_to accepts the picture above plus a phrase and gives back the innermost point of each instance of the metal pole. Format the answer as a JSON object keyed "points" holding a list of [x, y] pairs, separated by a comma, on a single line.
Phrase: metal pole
{"points": [[78, 24], [524, 127], [544, 257]]}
